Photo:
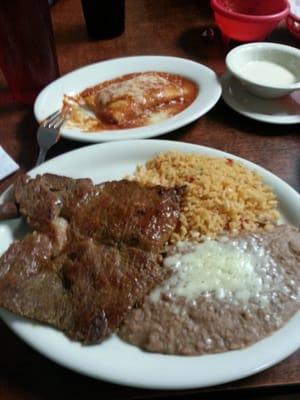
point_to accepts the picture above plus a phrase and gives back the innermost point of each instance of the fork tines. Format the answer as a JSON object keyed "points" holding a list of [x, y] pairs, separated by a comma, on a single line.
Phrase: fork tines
{"points": [[54, 120]]}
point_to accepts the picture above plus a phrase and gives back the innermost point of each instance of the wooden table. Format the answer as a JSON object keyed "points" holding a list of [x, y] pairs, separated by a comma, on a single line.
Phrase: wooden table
{"points": [[165, 27]]}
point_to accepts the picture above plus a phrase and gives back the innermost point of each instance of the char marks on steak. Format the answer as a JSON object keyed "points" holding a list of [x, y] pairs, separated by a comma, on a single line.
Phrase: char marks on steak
{"points": [[125, 212], [85, 291], [49, 196], [112, 212], [93, 256]]}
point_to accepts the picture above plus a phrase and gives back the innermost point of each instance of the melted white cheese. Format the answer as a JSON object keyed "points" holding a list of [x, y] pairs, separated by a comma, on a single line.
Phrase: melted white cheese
{"points": [[135, 88], [157, 116], [226, 269], [268, 73]]}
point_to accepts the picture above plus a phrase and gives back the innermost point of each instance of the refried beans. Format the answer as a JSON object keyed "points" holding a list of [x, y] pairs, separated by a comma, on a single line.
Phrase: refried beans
{"points": [[220, 295]]}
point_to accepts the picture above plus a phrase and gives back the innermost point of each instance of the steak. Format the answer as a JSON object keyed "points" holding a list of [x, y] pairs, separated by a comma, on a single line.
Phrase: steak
{"points": [[48, 196], [85, 291], [112, 212], [125, 212], [93, 255]]}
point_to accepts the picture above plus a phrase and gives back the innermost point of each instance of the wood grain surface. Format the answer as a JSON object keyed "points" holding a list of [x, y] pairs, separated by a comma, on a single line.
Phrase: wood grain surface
{"points": [[164, 27]]}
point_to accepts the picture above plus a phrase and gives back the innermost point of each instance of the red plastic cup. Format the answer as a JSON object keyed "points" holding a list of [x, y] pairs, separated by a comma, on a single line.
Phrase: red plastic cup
{"points": [[27, 53], [248, 20]]}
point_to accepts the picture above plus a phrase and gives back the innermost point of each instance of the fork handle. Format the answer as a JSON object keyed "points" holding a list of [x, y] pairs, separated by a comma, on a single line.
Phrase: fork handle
{"points": [[41, 157]]}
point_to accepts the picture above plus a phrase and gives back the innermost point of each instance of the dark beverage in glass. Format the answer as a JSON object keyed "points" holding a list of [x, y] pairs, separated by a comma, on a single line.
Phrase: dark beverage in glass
{"points": [[27, 54], [104, 19]]}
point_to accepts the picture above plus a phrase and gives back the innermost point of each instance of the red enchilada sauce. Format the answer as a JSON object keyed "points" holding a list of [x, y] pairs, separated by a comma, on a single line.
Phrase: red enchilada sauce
{"points": [[130, 101]]}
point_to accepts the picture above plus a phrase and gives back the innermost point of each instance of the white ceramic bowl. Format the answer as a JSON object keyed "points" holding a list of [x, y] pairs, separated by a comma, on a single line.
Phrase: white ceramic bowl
{"points": [[266, 70]]}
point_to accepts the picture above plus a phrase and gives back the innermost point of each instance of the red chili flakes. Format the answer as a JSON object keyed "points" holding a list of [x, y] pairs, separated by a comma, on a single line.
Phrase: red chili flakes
{"points": [[190, 179]]}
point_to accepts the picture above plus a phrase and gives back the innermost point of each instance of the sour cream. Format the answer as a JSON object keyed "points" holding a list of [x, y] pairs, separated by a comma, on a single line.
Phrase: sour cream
{"points": [[267, 73]]}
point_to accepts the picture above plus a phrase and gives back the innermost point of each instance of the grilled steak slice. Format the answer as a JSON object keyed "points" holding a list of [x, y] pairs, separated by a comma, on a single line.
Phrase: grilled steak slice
{"points": [[112, 212], [125, 212], [86, 266], [86, 291], [46, 197], [22, 275], [103, 284]]}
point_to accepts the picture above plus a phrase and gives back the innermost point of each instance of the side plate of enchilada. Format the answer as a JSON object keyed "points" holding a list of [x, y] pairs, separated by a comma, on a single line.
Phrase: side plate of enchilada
{"points": [[130, 98]]}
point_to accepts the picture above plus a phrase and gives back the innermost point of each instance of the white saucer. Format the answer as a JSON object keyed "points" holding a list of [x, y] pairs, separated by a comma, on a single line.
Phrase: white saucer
{"points": [[285, 110]]}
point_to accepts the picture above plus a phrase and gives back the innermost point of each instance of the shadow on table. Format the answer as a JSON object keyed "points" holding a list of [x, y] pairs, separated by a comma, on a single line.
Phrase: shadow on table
{"points": [[225, 115], [283, 36], [72, 35], [203, 44], [26, 139]]}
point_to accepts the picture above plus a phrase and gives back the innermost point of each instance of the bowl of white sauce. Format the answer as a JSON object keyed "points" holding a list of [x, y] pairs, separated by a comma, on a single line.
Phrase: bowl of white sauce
{"points": [[267, 70]]}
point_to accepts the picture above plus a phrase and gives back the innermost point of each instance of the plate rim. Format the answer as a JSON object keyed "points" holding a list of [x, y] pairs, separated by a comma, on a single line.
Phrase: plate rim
{"points": [[175, 122], [187, 147]]}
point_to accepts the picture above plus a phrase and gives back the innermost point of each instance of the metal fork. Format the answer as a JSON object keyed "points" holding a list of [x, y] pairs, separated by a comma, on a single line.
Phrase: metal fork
{"points": [[48, 134]]}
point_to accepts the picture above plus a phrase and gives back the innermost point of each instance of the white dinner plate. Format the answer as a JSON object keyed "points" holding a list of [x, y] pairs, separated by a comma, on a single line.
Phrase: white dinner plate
{"points": [[285, 110], [50, 99], [117, 361]]}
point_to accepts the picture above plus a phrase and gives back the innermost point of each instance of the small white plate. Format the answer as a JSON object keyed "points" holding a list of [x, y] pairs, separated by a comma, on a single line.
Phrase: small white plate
{"points": [[114, 360], [50, 99], [285, 110]]}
